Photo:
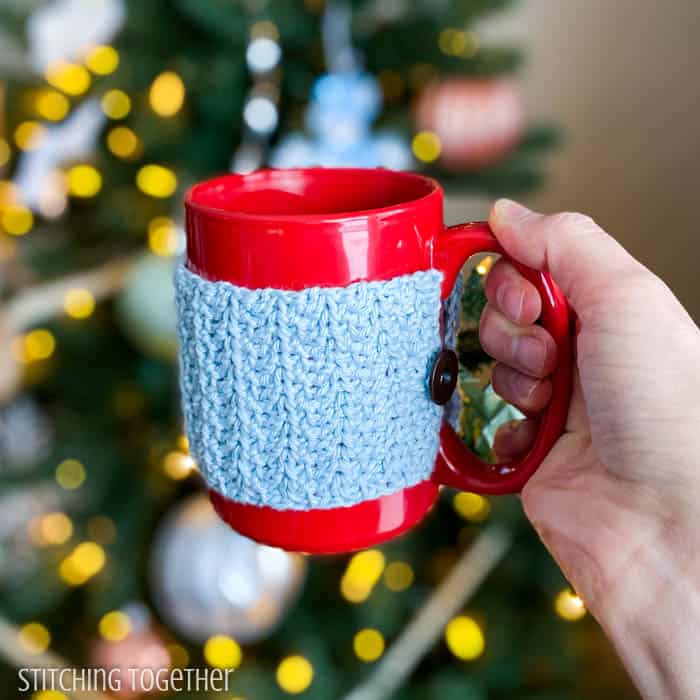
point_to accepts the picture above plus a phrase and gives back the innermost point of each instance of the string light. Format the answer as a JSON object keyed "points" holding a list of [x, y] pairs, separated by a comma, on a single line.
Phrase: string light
{"points": [[221, 651], [260, 114], [102, 60], [485, 265], [472, 506], [5, 152], [114, 626], [178, 465], [263, 54], [123, 142], [37, 345], [51, 529], [83, 563], [116, 104], [368, 644], [101, 529], [17, 220], [52, 105], [70, 474], [79, 303], [162, 236], [427, 146], [464, 638], [9, 193], [156, 181], [295, 674], [71, 78], [363, 572], [84, 181], [569, 606], [398, 576], [167, 94], [183, 444], [34, 638], [29, 135]]}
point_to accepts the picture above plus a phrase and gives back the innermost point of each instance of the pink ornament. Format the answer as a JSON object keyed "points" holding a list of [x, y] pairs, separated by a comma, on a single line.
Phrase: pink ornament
{"points": [[478, 121]]}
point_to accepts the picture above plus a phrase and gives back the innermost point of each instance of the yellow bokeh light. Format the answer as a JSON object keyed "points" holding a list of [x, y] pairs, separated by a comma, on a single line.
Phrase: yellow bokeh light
{"points": [[178, 465], [54, 529], [114, 626], [162, 236], [472, 506], [294, 674], [71, 78], [101, 529], [368, 644], [123, 142], [39, 345], [485, 265], [266, 29], [52, 105], [221, 651], [29, 135], [84, 562], [116, 104], [102, 60], [84, 181], [49, 695], [5, 152], [167, 94], [464, 638], [569, 606], [363, 572], [34, 638], [455, 42], [79, 303], [179, 656], [9, 194], [398, 576], [183, 444], [426, 146], [17, 220], [70, 474], [156, 181]]}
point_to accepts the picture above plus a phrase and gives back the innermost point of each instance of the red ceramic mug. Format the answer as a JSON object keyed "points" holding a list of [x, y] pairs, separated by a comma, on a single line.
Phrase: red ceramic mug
{"points": [[318, 227]]}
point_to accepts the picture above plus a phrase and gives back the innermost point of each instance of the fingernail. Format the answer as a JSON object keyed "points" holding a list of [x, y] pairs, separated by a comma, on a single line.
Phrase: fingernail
{"points": [[511, 299], [507, 210], [523, 387], [530, 352]]}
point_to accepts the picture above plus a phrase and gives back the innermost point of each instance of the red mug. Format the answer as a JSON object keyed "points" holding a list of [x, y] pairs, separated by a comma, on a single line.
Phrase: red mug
{"points": [[331, 227]]}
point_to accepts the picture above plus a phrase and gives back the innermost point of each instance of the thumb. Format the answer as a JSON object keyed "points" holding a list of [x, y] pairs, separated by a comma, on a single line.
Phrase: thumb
{"points": [[582, 259]]}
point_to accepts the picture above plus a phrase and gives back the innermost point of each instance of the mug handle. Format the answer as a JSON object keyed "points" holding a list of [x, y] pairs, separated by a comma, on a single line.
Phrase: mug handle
{"points": [[456, 465]]}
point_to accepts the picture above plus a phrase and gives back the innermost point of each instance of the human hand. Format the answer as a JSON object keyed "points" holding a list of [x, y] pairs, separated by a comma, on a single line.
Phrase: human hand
{"points": [[616, 499]]}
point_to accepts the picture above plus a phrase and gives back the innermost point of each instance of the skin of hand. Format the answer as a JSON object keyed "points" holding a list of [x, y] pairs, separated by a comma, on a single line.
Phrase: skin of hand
{"points": [[617, 500]]}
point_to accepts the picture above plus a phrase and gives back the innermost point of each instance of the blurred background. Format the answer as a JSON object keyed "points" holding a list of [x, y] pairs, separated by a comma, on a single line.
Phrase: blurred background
{"points": [[110, 554]]}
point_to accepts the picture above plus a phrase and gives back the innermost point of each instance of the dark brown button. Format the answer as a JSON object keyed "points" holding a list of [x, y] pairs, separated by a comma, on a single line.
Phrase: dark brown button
{"points": [[443, 378]]}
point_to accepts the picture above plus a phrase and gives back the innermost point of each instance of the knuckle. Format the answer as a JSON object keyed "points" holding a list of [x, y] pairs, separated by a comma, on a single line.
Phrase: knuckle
{"points": [[575, 221]]}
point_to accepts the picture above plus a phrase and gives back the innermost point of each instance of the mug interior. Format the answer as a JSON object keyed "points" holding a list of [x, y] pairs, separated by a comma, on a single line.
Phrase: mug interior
{"points": [[310, 192]]}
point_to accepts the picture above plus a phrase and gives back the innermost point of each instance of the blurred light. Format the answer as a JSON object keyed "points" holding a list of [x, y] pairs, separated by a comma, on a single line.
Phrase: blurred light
{"points": [[179, 656], [53, 529], [84, 181], [485, 265], [17, 220], [8, 247], [426, 146], [363, 572], [49, 695], [569, 606], [464, 638], [156, 181], [53, 198], [420, 74], [123, 142], [162, 236], [114, 626], [116, 104], [455, 42], [34, 638], [260, 114], [101, 529], [71, 78], [368, 644], [392, 84], [398, 576], [28, 135], [5, 152], [79, 303], [221, 651], [52, 105], [471, 506], [84, 562], [102, 60], [39, 344], [294, 674], [472, 44], [266, 29], [9, 193], [70, 474], [263, 54], [167, 94], [183, 444], [178, 465]]}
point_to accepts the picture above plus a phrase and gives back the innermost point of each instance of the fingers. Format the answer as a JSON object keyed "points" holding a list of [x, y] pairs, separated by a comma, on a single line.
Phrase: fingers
{"points": [[581, 257], [514, 439], [529, 349], [528, 394], [509, 292]]}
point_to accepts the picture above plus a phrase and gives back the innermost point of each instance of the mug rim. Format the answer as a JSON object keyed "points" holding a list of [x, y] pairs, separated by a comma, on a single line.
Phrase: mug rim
{"points": [[434, 192]]}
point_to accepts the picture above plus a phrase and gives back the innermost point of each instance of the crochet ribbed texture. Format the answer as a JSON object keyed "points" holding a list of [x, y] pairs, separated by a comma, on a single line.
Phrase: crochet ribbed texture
{"points": [[310, 399]]}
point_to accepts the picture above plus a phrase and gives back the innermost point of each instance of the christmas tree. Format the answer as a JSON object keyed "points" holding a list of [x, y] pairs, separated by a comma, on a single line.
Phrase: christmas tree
{"points": [[110, 555]]}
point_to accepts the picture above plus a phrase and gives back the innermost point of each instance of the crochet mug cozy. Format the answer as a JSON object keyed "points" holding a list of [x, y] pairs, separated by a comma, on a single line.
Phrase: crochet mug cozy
{"points": [[314, 317]]}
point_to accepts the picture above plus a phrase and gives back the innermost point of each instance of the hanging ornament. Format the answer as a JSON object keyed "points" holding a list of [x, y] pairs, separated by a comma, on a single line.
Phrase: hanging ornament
{"points": [[207, 579], [477, 121], [146, 306]]}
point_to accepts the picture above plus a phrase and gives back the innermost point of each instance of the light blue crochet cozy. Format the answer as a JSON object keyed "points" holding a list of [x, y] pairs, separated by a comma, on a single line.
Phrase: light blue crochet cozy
{"points": [[311, 399]]}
